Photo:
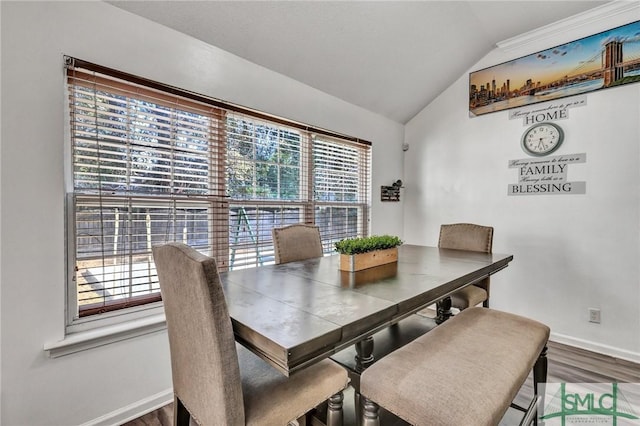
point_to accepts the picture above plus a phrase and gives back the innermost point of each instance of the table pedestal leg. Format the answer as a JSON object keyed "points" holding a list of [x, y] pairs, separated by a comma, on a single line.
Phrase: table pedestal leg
{"points": [[443, 308]]}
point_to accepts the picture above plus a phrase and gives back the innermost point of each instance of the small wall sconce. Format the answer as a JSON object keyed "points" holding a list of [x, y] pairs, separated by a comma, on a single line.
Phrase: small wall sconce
{"points": [[391, 193]]}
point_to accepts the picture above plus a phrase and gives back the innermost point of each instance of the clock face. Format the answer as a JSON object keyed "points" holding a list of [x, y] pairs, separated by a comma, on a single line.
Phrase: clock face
{"points": [[542, 139]]}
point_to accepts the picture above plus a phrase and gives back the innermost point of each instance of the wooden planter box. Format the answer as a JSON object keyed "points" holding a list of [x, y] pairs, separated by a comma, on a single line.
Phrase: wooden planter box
{"points": [[358, 262]]}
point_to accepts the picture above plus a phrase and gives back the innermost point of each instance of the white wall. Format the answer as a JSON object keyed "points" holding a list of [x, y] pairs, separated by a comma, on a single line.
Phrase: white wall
{"points": [[571, 252], [106, 384]]}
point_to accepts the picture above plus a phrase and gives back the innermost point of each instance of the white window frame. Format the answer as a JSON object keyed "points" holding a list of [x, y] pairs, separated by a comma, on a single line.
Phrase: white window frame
{"points": [[83, 333]]}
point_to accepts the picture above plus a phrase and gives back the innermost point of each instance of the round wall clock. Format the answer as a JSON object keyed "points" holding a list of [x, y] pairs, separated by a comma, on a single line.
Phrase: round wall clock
{"points": [[542, 139]]}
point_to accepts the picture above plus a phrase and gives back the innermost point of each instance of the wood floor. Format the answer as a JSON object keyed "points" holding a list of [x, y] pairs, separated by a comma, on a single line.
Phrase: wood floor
{"points": [[566, 364]]}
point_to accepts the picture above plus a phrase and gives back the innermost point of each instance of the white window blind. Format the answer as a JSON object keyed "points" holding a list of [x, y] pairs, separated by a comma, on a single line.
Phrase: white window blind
{"points": [[341, 189], [153, 163], [146, 170]]}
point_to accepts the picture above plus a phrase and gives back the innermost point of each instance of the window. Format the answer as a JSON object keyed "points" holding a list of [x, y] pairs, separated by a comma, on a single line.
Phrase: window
{"points": [[278, 175], [153, 164]]}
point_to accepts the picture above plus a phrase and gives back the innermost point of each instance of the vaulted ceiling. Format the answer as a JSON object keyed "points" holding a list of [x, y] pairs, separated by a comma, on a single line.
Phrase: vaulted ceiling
{"points": [[389, 57]]}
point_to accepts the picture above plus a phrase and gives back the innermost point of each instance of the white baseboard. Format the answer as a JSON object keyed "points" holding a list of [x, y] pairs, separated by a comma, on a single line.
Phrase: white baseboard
{"points": [[133, 411], [596, 347]]}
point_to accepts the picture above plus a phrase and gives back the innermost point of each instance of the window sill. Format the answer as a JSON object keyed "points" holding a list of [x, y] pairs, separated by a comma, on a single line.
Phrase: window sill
{"points": [[84, 340]]}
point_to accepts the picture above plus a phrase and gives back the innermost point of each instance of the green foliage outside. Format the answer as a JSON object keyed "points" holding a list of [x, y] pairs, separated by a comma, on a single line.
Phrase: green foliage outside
{"points": [[367, 244], [263, 161], [124, 144]]}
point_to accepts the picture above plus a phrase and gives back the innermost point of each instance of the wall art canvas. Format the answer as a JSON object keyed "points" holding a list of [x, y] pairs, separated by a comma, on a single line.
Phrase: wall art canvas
{"points": [[607, 59]]}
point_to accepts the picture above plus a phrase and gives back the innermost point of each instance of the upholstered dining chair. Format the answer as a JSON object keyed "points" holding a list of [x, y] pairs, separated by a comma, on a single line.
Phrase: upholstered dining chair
{"points": [[472, 237], [216, 381], [299, 241]]}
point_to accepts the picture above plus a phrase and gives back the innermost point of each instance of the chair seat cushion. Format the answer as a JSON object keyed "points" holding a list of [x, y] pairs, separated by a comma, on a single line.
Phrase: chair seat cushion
{"points": [[270, 398], [466, 371], [471, 295]]}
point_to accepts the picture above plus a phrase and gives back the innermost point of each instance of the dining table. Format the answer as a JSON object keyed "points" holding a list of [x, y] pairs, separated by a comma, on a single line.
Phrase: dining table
{"points": [[295, 314]]}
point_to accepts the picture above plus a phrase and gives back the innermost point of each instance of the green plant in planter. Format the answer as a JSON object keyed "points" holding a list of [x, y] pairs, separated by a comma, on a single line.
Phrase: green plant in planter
{"points": [[367, 244]]}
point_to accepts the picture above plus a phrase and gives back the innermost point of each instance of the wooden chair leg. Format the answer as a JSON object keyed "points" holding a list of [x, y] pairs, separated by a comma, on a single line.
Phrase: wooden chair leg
{"points": [[371, 413], [540, 370], [357, 406], [181, 416], [540, 376], [334, 410]]}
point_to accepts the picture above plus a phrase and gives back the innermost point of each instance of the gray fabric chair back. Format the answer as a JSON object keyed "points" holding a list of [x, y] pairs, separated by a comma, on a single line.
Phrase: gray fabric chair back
{"points": [[204, 362], [466, 236], [296, 242]]}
